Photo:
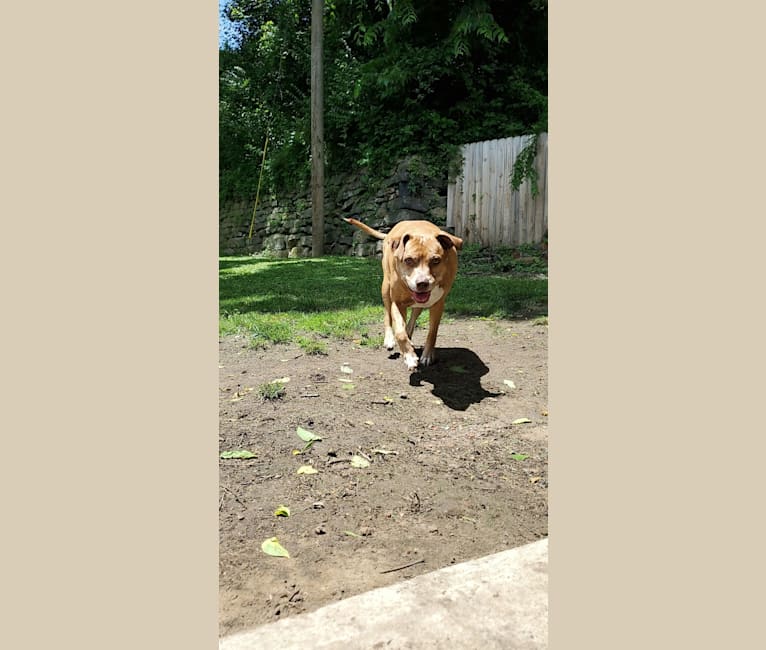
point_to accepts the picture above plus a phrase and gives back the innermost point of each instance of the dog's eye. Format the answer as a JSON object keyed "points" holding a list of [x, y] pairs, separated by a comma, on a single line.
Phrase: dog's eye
{"points": [[435, 261], [409, 261]]}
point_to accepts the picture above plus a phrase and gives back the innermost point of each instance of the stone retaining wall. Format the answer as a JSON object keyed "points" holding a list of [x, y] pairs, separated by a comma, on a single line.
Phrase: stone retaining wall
{"points": [[282, 226]]}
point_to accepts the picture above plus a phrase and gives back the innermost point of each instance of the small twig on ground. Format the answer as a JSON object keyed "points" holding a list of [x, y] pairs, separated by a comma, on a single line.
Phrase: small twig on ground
{"points": [[310, 395], [406, 566], [339, 460], [236, 498]]}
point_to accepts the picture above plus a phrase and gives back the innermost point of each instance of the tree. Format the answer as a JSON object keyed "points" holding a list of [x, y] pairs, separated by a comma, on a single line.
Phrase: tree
{"points": [[402, 78]]}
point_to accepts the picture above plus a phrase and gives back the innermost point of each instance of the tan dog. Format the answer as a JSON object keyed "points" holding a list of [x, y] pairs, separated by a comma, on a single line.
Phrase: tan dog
{"points": [[419, 267]]}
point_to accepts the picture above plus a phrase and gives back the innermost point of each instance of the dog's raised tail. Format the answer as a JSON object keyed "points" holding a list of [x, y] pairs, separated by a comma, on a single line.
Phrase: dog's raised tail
{"points": [[363, 226]]}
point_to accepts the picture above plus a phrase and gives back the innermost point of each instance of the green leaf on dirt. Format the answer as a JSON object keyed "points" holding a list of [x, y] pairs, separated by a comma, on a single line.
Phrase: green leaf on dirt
{"points": [[519, 456], [522, 421], [307, 469], [350, 534], [359, 462], [307, 446], [238, 453], [272, 547], [348, 386], [282, 511], [307, 436]]}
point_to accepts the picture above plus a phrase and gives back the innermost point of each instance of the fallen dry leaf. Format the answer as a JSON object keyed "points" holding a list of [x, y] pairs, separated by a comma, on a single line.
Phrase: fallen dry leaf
{"points": [[359, 462], [240, 394]]}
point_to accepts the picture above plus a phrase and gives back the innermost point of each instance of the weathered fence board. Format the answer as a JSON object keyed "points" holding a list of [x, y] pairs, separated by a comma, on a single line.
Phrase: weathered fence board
{"points": [[481, 206]]}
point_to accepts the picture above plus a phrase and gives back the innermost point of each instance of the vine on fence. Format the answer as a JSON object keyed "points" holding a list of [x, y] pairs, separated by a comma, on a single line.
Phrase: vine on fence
{"points": [[524, 167]]}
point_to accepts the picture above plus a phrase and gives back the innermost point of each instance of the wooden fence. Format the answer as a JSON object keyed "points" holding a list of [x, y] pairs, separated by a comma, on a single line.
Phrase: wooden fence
{"points": [[481, 206]]}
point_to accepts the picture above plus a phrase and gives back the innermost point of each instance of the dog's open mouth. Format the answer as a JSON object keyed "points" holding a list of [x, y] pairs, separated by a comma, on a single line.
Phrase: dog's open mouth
{"points": [[421, 297]]}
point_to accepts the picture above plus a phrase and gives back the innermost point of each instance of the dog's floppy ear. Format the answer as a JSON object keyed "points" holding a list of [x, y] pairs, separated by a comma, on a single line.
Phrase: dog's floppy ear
{"points": [[448, 241], [398, 245]]}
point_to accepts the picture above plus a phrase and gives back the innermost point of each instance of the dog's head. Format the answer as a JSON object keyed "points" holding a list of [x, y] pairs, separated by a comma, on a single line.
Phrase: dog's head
{"points": [[421, 259]]}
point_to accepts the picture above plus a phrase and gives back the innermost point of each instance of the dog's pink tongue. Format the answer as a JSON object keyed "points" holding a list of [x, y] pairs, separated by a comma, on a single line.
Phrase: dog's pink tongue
{"points": [[421, 297]]}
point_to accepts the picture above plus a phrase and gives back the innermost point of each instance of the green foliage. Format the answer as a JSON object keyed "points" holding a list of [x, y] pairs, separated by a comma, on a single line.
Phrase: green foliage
{"points": [[524, 167], [272, 390], [524, 260], [264, 93], [402, 78]]}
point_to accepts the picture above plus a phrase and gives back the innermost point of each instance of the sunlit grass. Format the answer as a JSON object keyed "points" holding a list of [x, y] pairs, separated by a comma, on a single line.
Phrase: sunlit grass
{"points": [[308, 301]]}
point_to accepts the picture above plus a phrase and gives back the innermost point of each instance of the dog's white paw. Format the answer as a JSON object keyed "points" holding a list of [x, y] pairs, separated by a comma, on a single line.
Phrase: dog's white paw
{"points": [[389, 341], [411, 360]]}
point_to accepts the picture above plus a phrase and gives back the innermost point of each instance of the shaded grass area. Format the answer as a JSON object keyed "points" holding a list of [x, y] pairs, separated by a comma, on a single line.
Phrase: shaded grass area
{"points": [[307, 300]]}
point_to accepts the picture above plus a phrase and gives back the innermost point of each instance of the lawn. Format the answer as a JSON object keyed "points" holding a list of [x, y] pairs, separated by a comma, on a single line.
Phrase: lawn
{"points": [[307, 300]]}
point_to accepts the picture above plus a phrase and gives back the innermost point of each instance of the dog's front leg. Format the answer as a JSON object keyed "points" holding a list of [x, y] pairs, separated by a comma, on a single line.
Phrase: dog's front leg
{"points": [[428, 356], [398, 314], [388, 331]]}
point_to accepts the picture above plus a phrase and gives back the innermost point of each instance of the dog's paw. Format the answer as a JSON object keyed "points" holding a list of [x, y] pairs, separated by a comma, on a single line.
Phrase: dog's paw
{"points": [[389, 341], [411, 360], [427, 358]]}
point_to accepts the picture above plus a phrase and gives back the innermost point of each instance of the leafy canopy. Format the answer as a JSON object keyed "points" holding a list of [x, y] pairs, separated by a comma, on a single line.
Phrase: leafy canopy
{"points": [[402, 78]]}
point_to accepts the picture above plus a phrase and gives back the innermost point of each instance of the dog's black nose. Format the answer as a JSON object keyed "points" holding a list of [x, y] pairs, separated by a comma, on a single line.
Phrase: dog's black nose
{"points": [[422, 286]]}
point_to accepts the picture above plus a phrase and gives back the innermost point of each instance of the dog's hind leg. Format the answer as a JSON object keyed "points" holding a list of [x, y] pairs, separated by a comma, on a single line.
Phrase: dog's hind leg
{"points": [[428, 355], [413, 319]]}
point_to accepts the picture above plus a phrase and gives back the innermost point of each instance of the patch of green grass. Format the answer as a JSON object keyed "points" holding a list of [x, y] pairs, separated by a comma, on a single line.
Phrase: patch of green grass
{"points": [[270, 330], [278, 301], [272, 390], [371, 341], [311, 346], [497, 296], [249, 284], [306, 300]]}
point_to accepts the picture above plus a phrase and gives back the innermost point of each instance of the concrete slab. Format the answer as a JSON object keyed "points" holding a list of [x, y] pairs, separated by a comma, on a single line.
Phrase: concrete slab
{"points": [[496, 602]]}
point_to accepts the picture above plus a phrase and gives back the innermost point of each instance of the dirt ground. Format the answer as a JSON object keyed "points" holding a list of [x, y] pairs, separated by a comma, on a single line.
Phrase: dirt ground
{"points": [[462, 480]]}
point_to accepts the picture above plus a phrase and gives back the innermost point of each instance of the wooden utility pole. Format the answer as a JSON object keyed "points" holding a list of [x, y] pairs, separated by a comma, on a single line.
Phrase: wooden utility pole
{"points": [[317, 131]]}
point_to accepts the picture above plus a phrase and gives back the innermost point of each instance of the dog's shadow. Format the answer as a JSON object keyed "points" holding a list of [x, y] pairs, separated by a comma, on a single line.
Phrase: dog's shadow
{"points": [[456, 377]]}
